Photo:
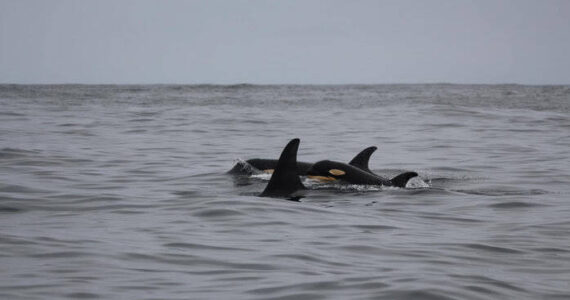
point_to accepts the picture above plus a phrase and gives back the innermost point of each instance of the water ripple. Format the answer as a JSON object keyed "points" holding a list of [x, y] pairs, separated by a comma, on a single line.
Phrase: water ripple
{"points": [[120, 192]]}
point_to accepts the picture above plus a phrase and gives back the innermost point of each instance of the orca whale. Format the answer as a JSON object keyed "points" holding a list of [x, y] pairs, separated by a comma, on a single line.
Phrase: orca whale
{"points": [[327, 170], [268, 165], [285, 180]]}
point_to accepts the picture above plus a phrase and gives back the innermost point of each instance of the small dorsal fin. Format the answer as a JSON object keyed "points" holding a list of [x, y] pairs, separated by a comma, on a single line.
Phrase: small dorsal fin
{"points": [[361, 159], [402, 179], [285, 180]]}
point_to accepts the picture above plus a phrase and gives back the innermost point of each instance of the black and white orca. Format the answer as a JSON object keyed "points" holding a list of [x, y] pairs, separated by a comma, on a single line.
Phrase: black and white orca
{"points": [[285, 181], [327, 170]]}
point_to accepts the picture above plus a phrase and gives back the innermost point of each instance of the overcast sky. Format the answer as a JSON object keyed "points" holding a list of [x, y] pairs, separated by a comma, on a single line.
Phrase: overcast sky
{"points": [[297, 41]]}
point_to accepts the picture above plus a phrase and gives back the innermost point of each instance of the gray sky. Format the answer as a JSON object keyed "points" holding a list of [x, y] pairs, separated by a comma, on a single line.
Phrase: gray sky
{"points": [[297, 41]]}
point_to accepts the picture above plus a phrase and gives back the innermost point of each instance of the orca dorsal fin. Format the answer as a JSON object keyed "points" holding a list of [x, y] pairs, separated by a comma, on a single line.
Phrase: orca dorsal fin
{"points": [[285, 179], [361, 159], [402, 179]]}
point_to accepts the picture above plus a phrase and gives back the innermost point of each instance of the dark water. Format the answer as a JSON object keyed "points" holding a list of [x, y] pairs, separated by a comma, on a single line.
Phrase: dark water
{"points": [[120, 192]]}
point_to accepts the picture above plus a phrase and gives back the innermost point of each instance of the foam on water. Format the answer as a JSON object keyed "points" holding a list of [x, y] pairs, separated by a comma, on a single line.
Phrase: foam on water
{"points": [[416, 183], [262, 176]]}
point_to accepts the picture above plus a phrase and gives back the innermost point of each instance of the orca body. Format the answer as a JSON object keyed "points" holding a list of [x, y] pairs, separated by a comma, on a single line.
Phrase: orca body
{"points": [[268, 165], [285, 180], [327, 170]]}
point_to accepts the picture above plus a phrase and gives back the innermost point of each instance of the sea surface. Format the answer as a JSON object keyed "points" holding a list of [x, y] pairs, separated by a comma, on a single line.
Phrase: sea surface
{"points": [[121, 192]]}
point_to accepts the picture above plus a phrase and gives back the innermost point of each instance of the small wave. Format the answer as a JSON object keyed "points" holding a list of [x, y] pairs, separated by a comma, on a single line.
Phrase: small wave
{"points": [[84, 295], [217, 213], [453, 170], [514, 204], [503, 192], [552, 250], [135, 131], [430, 294], [308, 258], [201, 247], [441, 181], [15, 153], [185, 194], [488, 281], [442, 218], [11, 114], [9, 209], [495, 249], [60, 254], [97, 199], [19, 189], [141, 120], [251, 121], [375, 227]]}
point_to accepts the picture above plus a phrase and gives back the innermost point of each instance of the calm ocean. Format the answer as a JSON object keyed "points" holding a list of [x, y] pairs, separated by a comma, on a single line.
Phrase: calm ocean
{"points": [[121, 192]]}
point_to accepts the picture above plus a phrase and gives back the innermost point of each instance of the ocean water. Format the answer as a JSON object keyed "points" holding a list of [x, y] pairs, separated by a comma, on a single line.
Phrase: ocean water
{"points": [[121, 192]]}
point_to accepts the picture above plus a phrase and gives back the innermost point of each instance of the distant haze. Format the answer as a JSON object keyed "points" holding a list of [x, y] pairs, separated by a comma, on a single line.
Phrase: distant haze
{"points": [[273, 42]]}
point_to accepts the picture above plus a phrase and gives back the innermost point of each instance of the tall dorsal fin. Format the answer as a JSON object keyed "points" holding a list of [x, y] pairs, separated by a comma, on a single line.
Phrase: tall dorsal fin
{"points": [[285, 180], [402, 179], [361, 159]]}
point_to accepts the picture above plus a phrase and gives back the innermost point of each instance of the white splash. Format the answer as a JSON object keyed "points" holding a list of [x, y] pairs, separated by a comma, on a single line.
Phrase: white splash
{"points": [[262, 176], [416, 183]]}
